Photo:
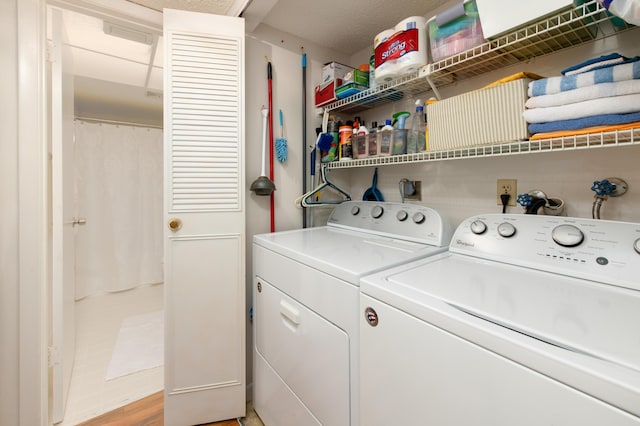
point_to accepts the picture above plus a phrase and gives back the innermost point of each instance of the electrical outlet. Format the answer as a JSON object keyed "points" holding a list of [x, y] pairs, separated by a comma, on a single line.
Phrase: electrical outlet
{"points": [[417, 191], [507, 186]]}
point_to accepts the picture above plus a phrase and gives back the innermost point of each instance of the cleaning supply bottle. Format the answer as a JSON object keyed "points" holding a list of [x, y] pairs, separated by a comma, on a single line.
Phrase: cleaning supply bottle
{"points": [[372, 70], [360, 140], [372, 140], [385, 139], [399, 142], [332, 153], [416, 138], [629, 10], [345, 148]]}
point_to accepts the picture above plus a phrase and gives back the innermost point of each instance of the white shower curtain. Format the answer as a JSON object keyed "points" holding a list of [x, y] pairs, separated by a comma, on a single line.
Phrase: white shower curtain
{"points": [[119, 192]]}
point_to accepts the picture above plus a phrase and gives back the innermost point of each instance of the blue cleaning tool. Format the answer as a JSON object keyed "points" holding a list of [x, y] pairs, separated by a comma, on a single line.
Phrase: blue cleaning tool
{"points": [[324, 141], [281, 144]]}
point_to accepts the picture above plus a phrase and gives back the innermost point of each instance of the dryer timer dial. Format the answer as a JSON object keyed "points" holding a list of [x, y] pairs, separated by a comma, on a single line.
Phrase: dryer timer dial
{"points": [[567, 235], [506, 230], [478, 227], [376, 212], [636, 245], [418, 217]]}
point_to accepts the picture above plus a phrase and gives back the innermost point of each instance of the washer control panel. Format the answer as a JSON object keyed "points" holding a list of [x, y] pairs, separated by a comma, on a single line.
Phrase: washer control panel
{"points": [[407, 221], [599, 250]]}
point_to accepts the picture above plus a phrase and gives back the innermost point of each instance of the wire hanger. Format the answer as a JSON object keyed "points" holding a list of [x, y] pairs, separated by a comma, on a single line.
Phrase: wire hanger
{"points": [[308, 199]]}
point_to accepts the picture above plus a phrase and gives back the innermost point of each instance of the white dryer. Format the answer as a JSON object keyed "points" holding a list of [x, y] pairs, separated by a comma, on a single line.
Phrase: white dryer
{"points": [[306, 306], [526, 320]]}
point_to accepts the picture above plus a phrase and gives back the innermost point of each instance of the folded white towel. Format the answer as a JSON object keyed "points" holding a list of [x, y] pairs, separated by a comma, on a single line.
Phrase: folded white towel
{"points": [[627, 87], [611, 105]]}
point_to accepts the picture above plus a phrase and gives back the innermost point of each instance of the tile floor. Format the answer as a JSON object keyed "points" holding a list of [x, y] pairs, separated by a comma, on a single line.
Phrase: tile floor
{"points": [[98, 320]]}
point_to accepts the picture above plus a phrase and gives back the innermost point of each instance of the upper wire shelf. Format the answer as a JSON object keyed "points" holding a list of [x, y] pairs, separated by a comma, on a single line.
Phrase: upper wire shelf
{"points": [[569, 27]]}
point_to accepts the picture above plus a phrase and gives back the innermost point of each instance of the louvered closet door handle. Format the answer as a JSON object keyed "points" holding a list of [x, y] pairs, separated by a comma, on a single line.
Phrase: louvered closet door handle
{"points": [[175, 224]]}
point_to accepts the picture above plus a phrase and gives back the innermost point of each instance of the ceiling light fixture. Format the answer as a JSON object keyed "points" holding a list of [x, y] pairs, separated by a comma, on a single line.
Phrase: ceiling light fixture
{"points": [[128, 33]]}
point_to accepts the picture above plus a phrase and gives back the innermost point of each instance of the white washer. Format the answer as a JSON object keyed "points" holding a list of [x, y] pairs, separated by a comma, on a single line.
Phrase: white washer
{"points": [[306, 306], [526, 320]]}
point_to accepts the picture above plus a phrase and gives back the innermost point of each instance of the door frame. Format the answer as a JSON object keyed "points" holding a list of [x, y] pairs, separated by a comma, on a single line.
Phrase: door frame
{"points": [[32, 288], [33, 217], [33, 272]]}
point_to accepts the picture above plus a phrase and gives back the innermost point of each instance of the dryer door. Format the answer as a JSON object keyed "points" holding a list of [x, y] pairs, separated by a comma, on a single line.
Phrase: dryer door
{"points": [[308, 353]]}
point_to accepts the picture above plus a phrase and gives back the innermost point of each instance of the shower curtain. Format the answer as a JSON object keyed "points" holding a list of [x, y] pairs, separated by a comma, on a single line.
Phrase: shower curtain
{"points": [[119, 192]]}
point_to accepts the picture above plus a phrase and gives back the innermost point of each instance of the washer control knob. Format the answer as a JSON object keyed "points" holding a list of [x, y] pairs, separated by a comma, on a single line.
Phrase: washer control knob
{"points": [[506, 229], [402, 215], [377, 211], [355, 210], [418, 217], [567, 235], [478, 227], [636, 245]]}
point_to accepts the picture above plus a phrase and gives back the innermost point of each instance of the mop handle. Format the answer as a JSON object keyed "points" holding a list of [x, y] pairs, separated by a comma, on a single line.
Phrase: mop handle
{"points": [[281, 126], [265, 113]]}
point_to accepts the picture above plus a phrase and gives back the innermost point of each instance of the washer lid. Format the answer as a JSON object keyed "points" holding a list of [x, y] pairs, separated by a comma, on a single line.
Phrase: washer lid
{"points": [[583, 324], [344, 253]]}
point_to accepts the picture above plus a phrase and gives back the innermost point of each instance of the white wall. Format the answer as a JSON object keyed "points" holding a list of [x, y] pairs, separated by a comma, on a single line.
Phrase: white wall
{"points": [[460, 188], [457, 188]]}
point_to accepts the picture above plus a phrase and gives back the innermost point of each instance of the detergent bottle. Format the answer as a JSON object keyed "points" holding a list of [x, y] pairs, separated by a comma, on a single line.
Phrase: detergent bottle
{"points": [[360, 140], [385, 139], [372, 140], [629, 10], [362, 129]]}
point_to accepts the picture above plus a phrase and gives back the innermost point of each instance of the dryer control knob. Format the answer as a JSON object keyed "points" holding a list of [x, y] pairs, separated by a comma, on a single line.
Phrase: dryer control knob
{"points": [[478, 227], [506, 229], [377, 211], [418, 217], [567, 235], [636, 245], [402, 215], [355, 210]]}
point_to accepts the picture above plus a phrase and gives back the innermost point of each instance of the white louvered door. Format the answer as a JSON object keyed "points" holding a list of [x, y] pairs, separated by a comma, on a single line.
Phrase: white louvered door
{"points": [[205, 223]]}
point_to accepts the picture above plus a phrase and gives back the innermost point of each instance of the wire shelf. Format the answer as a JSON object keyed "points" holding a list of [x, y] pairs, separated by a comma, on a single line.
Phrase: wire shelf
{"points": [[567, 143], [569, 27]]}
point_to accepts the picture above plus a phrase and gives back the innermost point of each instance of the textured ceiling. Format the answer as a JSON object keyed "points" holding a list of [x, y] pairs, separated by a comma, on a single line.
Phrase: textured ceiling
{"points": [[114, 74], [218, 7], [344, 26]]}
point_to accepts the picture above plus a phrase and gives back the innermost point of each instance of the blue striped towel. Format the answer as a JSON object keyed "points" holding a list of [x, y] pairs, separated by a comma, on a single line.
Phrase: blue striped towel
{"points": [[594, 63], [548, 86]]}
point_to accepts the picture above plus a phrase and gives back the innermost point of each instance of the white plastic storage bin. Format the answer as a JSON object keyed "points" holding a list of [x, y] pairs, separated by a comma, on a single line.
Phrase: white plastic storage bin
{"points": [[499, 16], [485, 116]]}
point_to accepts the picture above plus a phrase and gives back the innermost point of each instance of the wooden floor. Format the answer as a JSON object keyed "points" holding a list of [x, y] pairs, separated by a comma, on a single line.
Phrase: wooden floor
{"points": [[148, 411]]}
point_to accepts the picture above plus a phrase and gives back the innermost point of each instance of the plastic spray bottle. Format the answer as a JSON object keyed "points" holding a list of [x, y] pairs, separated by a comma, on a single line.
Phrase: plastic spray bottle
{"points": [[416, 138]]}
